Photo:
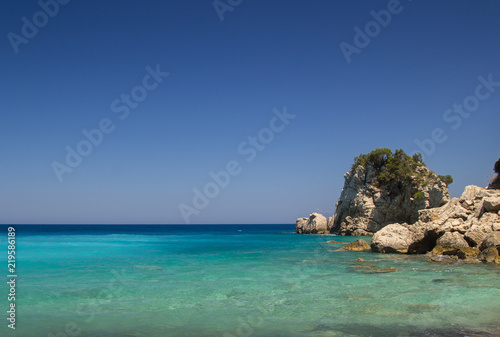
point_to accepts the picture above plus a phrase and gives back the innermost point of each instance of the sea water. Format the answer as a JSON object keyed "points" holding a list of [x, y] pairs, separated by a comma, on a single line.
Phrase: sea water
{"points": [[235, 280]]}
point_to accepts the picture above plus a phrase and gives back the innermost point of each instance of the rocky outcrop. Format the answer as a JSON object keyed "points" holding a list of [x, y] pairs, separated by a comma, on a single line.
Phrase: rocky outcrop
{"points": [[315, 224], [365, 206], [394, 238], [464, 227]]}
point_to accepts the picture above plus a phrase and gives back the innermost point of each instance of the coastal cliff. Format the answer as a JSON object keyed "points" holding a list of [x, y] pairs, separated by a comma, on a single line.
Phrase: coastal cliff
{"points": [[407, 209], [383, 188]]}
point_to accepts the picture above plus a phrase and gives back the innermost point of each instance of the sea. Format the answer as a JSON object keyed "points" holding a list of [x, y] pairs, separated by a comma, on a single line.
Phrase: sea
{"points": [[233, 280]]}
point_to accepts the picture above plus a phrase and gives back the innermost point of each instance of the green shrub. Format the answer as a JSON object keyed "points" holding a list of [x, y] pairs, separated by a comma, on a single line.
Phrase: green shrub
{"points": [[396, 169], [447, 179], [419, 195]]}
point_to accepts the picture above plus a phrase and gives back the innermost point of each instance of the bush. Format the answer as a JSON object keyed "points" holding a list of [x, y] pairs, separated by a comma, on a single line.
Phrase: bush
{"points": [[496, 181], [377, 158], [396, 170], [419, 195], [447, 179]]}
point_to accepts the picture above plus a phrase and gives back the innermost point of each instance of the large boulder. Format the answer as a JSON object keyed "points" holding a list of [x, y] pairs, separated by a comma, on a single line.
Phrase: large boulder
{"points": [[394, 238], [450, 243], [315, 224], [452, 240], [491, 240], [481, 227], [492, 204], [490, 255]]}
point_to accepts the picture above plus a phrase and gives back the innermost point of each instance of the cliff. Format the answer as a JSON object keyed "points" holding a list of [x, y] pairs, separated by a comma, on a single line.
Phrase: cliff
{"points": [[383, 188]]}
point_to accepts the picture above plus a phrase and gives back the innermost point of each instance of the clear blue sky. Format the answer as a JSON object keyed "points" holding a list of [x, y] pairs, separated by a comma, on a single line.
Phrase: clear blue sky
{"points": [[225, 78]]}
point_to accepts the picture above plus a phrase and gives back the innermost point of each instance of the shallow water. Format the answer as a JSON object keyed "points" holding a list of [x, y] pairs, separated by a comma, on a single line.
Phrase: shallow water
{"points": [[237, 281]]}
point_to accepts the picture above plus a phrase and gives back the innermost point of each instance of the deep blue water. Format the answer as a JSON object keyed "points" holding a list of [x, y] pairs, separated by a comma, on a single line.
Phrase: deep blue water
{"points": [[235, 280]]}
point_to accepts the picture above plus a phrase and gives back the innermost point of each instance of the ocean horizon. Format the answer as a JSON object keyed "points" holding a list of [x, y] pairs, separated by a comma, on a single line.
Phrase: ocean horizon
{"points": [[236, 280]]}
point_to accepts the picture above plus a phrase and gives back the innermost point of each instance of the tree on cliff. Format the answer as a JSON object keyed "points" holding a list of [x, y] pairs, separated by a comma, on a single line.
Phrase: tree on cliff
{"points": [[447, 179], [397, 169], [495, 183]]}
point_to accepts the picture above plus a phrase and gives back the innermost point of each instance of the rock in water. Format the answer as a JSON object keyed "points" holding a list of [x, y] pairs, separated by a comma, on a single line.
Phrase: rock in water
{"points": [[315, 224], [394, 238], [490, 255], [491, 240], [449, 244], [373, 196], [356, 246]]}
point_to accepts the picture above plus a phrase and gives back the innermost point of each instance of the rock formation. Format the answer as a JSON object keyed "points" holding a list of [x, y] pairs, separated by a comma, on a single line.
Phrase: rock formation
{"points": [[366, 205], [465, 227], [315, 224]]}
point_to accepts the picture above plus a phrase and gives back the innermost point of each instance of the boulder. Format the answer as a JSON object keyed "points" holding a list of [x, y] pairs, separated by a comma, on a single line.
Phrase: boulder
{"points": [[480, 228], [490, 255], [452, 240], [394, 238], [492, 204], [356, 246], [491, 240], [333, 241], [467, 253], [315, 224]]}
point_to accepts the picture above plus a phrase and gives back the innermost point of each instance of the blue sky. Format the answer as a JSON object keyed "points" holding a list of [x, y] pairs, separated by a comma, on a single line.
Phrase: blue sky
{"points": [[227, 81]]}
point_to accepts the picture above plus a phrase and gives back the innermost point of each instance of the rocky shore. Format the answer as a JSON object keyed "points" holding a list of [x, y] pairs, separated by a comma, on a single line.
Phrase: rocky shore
{"points": [[412, 213]]}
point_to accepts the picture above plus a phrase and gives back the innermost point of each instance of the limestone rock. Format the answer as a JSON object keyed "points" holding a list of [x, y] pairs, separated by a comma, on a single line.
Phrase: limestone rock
{"points": [[394, 238], [356, 246], [452, 240], [364, 207], [481, 227], [491, 240], [492, 204], [467, 253], [470, 192], [490, 255], [315, 224]]}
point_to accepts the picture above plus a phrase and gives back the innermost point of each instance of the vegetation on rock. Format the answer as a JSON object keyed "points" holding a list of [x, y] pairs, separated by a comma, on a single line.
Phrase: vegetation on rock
{"points": [[447, 179], [496, 181], [397, 169]]}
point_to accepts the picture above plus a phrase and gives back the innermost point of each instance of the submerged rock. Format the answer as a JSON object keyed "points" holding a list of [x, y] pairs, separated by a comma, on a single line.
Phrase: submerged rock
{"points": [[356, 246]]}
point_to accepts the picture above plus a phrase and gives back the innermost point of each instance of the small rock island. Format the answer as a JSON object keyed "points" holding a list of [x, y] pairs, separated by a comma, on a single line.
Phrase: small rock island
{"points": [[407, 209]]}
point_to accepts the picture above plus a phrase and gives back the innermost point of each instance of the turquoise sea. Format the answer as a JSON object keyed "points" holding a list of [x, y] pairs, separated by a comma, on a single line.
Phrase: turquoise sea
{"points": [[235, 280]]}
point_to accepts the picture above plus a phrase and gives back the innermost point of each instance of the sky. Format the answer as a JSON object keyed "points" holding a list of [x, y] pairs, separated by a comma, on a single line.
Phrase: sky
{"points": [[231, 111]]}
